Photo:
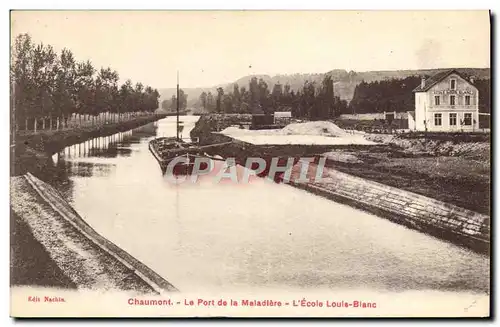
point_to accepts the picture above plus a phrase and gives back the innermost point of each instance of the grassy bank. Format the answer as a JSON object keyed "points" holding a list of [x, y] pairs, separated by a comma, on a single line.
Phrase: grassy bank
{"points": [[460, 181], [451, 168], [31, 150]]}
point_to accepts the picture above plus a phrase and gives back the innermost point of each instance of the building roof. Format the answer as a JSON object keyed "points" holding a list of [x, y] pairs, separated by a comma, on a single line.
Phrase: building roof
{"points": [[282, 114], [433, 80]]}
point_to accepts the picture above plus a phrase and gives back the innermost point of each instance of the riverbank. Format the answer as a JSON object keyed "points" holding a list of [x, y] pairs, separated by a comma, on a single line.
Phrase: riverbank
{"points": [[52, 246], [453, 178], [31, 151], [450, 169], [442, 220]]}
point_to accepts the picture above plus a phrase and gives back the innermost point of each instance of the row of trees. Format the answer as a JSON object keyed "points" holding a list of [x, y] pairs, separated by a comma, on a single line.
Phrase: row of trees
{"points": [[484, 88], [171, 105], [397, 95], [317, 100], [47, 88], [312, 101], [389, 95]]}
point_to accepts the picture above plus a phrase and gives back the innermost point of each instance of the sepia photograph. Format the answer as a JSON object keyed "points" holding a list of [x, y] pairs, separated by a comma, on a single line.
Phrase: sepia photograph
{"points": [[240, 163]]}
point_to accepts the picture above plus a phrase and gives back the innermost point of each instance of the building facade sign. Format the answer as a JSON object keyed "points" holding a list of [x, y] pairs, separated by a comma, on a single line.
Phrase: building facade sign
{"points": [[459, 92]]}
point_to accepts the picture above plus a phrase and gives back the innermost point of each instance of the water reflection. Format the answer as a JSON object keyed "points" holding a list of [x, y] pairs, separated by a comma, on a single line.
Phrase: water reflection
{"points": [[90, 158], [108, 146], [86, 154], [89, 169]]}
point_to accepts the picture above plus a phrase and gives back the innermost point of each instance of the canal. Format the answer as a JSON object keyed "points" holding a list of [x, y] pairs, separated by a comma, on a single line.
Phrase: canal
{"points": [[258, 236]]}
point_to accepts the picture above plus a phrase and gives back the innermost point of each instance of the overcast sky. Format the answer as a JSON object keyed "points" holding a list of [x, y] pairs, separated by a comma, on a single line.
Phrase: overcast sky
{"points": [[210, 47]]}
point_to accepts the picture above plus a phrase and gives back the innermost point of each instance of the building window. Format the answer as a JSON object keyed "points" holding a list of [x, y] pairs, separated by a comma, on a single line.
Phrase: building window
{"points": [[467, 100], [453, 119], [452, 100], [467, 119], [453, 84], [437, 119], [436, 100]]}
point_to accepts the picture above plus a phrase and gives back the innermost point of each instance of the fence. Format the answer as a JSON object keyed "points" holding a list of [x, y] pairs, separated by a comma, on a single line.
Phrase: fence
{"points": [[373, 116], [76, 120]]}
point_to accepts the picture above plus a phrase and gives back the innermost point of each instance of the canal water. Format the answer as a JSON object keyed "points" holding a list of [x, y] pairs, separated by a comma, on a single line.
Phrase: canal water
{"points": [[257, 236]]}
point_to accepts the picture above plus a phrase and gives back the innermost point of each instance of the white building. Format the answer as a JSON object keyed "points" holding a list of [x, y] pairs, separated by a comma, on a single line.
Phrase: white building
{"points": [[445, 102]]}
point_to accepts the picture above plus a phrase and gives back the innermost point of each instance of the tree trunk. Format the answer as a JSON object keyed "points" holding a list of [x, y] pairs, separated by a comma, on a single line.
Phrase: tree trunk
{"points": [[57, 124], [26, 123], [34, 126], [43, 123], [50, 122]]}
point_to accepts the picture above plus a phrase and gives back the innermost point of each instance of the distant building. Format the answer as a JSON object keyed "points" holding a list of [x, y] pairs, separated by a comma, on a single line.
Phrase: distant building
{"points": [[282, 117], [445, 102]]}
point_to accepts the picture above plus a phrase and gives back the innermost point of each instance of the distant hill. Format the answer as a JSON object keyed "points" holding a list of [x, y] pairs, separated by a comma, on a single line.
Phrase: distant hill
{"points": [[347, 83], [344, 82]]}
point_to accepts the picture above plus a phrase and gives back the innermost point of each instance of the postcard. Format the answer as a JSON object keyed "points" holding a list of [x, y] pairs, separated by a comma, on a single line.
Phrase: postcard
{"points": [[250, 164]]}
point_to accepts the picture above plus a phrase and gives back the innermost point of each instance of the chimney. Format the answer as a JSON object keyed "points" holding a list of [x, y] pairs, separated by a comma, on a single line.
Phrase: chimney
{"points": [[422, 84]]}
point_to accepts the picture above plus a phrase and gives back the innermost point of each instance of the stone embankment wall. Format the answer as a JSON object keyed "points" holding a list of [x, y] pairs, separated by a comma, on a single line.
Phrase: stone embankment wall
{"points": [[87, 259], [440, 219]]}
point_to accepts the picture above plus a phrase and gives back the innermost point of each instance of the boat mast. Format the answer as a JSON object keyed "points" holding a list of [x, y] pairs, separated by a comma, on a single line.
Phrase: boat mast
{"points": [[177, 126]]}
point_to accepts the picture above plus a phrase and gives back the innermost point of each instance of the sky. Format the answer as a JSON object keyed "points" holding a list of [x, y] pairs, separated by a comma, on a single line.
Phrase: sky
{"points": [[215, 47]]}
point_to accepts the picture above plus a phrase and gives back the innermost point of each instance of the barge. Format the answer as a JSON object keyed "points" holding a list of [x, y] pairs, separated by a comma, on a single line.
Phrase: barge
{"points": [[166, 149]]}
